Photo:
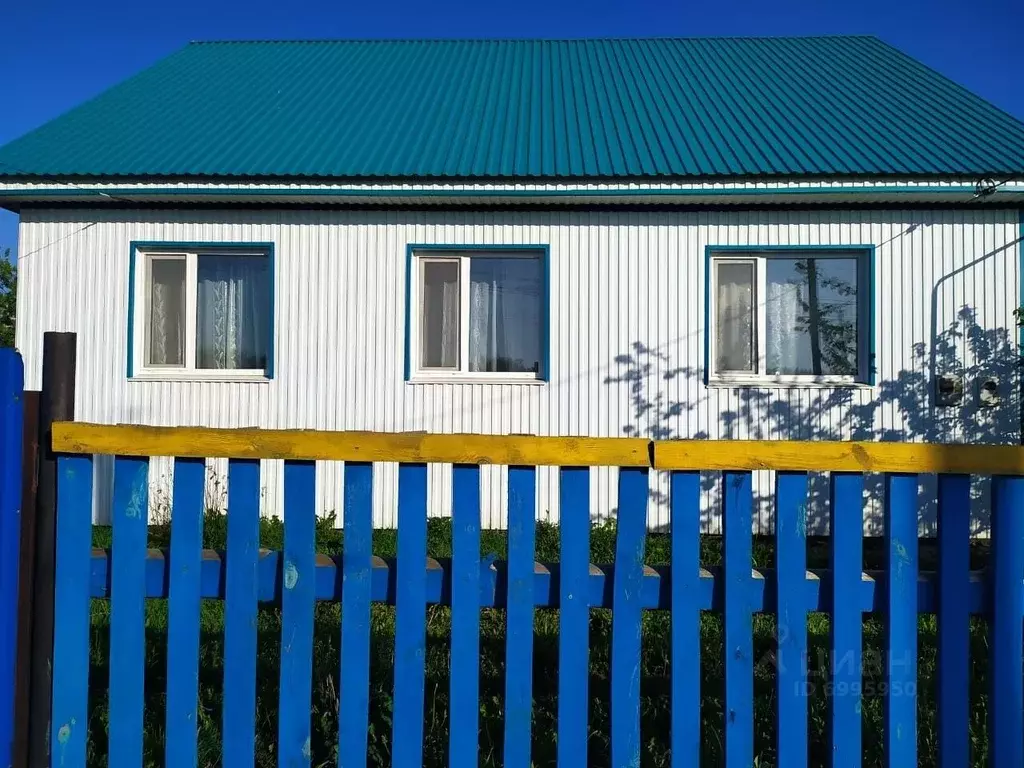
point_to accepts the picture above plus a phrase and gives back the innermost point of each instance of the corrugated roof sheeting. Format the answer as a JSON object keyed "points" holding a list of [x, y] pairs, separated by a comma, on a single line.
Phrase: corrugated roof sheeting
{"points": [[725, 107]]}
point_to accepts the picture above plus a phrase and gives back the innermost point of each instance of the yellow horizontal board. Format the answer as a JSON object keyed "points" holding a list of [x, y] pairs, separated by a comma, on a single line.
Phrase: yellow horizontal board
{"points": [[913, 458], [77, 437]]}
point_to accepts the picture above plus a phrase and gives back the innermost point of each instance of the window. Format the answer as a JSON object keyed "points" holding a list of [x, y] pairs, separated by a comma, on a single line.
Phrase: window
{"points": [[203, 312], [789, 316], [477, 314]]}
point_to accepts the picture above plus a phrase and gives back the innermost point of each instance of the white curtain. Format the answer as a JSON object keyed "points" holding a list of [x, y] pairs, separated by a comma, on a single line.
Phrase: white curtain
{"points": [[734, 334], [450, 325], [785, 301], [440, 315], [483, 325], [505, 315], [232, 322], [167, 312]]}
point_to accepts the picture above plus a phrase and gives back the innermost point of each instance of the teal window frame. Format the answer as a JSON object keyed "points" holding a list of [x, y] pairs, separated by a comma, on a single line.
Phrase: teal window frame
{"points": [[543, 251], [138, 249], [866, 296]]}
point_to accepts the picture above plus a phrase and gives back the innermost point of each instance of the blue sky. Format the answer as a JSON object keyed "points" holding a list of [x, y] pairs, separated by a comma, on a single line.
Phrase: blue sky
{"points": [[57, 53]]}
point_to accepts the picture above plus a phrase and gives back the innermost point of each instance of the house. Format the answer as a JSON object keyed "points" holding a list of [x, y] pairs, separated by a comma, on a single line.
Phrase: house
{"points": [[788, 238]]}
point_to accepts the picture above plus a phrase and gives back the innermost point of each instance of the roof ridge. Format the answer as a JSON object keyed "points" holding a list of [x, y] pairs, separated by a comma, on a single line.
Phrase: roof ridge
{"points": [[626, 39]]}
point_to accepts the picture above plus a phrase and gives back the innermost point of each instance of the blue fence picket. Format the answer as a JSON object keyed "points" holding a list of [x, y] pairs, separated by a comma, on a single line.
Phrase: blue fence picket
{"points": [[410, 617], [353, 710], [70, 707], [685, 617], [522, 503], [1005, 629], [240, 612], [791, 626], [183, 611], [463, 741], [627, 611], [12, 381], [574, 616], [900, 703], [298, 579], [846, 510], [128, 609], [739, 638], [132, 576], [954, 679]]}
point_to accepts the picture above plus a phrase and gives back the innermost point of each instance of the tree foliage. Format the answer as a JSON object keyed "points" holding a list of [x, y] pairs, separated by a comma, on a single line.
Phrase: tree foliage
{"points": [[8, 298]]}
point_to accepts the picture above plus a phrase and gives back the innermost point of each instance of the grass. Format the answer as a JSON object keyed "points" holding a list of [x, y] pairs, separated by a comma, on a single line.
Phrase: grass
{"points": [[655, 680]]}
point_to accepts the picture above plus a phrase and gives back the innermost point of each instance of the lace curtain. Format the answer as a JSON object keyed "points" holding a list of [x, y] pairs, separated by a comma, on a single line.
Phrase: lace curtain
{"points": [[734, 334], [440, 314], [232, 313], [167, 312], [784, 343]]}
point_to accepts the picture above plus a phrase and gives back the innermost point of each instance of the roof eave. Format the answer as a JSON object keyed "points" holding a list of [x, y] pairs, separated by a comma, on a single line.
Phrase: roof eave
{"points": [[1009, 193]]}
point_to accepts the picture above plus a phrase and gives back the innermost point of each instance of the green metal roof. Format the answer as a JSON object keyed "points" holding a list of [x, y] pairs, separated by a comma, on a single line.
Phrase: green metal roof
{"points": [[529, 109]]}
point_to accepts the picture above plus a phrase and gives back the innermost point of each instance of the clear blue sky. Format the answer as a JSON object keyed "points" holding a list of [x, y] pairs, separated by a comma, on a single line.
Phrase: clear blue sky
{"points": [[55, 54]]}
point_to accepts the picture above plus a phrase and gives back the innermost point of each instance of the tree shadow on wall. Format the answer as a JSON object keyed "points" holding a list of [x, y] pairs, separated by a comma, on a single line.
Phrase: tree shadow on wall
{"points": [[670, 402]]}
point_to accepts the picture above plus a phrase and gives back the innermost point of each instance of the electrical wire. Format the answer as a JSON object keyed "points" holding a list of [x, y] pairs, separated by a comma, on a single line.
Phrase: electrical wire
{"points": [[59, 181], [986, 187], [23, 256]]}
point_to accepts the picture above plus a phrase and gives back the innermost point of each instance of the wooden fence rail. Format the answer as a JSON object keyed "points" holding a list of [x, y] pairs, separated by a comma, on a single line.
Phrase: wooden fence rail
{"points": [[130, 574], [496, 576], [244, 576]]}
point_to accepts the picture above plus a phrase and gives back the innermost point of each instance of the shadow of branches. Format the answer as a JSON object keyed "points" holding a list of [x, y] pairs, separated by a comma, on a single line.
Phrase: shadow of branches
{"points": [[902, 407]]}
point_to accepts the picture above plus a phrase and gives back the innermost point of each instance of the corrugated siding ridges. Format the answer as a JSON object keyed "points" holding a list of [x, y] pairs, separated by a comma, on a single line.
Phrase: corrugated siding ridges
{"points": [[627, 339], [640, 108]]}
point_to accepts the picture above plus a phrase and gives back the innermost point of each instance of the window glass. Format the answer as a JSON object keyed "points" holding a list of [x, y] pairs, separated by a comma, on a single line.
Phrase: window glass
{"points": [[505, 314], [734, 310], [440, 331], [232, 312], [165, 338], [811, 316]]}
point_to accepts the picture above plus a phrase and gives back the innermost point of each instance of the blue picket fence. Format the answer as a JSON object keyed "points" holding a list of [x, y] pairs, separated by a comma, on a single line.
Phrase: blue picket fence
{"points": [[245, 576], [12, 380]]}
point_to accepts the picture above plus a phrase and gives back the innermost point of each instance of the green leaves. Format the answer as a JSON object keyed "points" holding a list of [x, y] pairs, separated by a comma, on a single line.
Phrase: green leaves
{"points": [[8, 298]]}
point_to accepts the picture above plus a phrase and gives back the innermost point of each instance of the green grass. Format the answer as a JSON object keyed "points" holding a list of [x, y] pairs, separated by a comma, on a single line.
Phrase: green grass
{"points": [[655, 680]]}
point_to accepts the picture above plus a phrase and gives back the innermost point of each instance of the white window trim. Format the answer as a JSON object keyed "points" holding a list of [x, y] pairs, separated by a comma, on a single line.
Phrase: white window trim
{"points": [[758, 379], [421, 375], [142, 370]]}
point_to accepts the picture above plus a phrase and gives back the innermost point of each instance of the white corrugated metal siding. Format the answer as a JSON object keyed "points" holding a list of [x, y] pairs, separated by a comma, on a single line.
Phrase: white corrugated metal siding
{"points": [[627, 311]]}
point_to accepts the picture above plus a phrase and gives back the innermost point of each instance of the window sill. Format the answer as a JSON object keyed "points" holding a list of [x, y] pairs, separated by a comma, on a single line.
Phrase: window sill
{"points": [[201, 377], [810, 383], [469, 379]]}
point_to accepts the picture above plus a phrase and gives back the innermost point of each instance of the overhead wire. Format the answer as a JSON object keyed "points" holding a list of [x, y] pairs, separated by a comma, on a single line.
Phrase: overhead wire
{"points": [[986, 187], [60, 181]]}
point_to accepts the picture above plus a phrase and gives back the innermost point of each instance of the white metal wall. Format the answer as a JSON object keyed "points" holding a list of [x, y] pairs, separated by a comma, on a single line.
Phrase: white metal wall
{"points": [[627, 326]]}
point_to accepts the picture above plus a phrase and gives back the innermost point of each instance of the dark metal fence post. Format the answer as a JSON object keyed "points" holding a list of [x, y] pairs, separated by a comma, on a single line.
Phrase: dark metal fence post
{"points": [[12, 385], [57, 403]]}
